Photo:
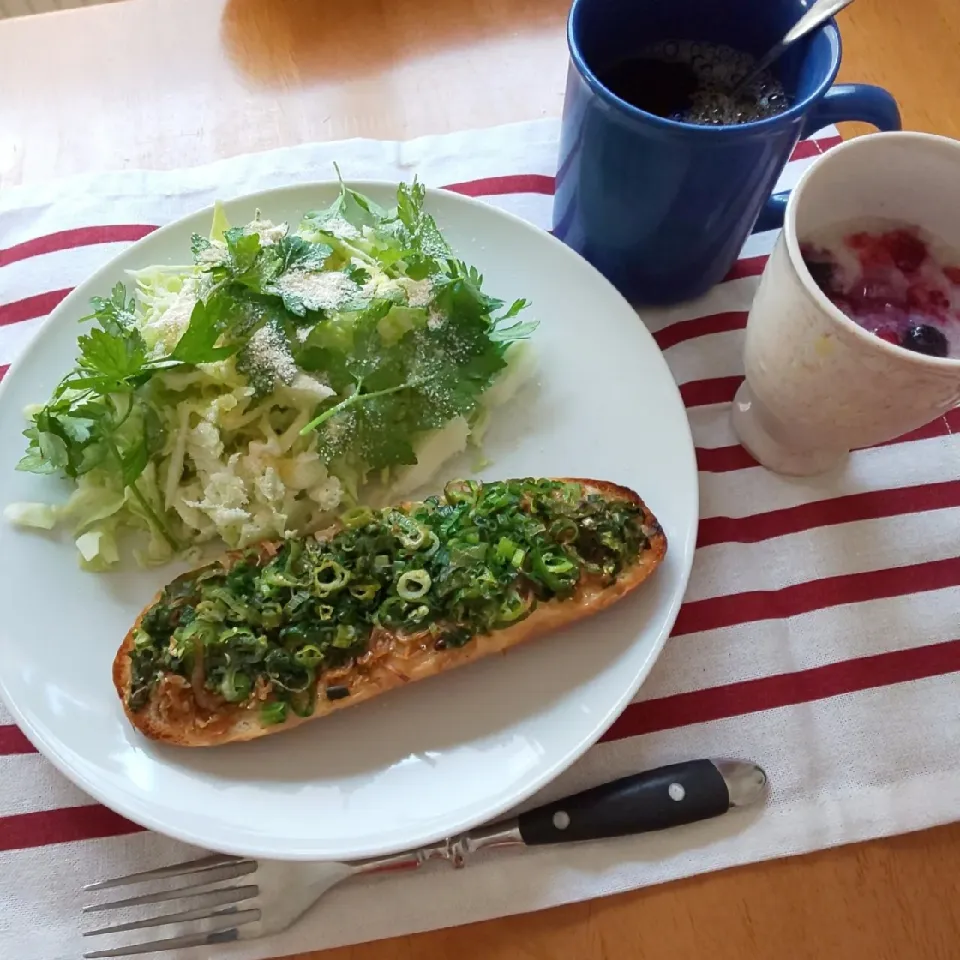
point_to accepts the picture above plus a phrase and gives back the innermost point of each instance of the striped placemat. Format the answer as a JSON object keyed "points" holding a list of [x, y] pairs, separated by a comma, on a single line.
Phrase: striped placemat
{"points": [[818, 635]]}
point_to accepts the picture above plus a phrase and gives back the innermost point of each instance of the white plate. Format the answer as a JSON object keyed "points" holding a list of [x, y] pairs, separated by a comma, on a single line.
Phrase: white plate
{"points": [[418, 764]]}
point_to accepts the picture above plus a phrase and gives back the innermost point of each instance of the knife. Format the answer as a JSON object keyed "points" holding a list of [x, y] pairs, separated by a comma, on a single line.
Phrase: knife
{"points": [[657, 799]]}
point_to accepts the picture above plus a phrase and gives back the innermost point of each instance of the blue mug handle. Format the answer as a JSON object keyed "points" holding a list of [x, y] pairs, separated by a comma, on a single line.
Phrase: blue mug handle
{"points": [[845, 101]]}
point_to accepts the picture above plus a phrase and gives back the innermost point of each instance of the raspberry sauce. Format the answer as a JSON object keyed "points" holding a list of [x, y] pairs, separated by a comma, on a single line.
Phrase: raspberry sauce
{"points": [[893, 279]]}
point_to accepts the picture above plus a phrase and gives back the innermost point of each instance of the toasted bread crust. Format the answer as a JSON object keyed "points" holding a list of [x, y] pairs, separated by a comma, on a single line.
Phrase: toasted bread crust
{"points": [[174, 716]]}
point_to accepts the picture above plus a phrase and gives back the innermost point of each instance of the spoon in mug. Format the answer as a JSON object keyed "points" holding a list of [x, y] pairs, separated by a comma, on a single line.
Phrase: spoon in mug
{"points": [[821, 11]]}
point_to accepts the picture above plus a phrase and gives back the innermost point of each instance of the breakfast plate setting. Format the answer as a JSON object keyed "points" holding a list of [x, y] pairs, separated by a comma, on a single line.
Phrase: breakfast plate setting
{"points": [[319, 791], [350, 506]]}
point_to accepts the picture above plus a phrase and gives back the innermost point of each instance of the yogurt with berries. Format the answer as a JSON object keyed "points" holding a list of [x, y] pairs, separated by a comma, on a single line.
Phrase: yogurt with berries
{"points": [[853, 337], [897, 281]]}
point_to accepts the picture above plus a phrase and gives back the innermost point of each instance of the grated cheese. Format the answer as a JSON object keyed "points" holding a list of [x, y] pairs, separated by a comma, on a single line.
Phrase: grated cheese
{"points": [[382, 287], [341, 229], [419, 292], [269, 356], [327, 290], [268, 231], [169, 326]]}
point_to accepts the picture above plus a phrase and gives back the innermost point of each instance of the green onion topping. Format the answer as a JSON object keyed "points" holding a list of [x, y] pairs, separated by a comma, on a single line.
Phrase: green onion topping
{"points": [[478, 558]]}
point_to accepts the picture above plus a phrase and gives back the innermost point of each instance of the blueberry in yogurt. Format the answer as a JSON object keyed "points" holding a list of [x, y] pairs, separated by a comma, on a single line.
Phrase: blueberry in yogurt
{"points": [[822, 268], [925, 338]]}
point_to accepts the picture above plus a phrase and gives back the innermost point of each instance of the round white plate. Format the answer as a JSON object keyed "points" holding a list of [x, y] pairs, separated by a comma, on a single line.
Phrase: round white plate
{"points": [[418, 764]]}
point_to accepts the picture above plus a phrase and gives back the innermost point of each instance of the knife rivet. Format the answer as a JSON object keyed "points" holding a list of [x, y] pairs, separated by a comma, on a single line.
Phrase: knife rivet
{"points": [[561, 819], [676, 791]]}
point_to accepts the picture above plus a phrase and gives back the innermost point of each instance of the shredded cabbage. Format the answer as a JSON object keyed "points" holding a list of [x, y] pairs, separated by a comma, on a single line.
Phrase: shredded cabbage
{"points": [[242, 463]]}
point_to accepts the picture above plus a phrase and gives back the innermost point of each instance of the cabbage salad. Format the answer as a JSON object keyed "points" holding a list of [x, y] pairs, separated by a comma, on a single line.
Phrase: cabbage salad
{"points": [[253, 394]]}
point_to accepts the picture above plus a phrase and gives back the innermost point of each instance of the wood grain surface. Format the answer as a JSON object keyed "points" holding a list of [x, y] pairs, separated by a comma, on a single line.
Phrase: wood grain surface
{"points": [[167, 83]]}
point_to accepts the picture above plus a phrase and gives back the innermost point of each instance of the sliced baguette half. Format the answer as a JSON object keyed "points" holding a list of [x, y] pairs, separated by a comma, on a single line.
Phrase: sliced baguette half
{"points": [[175, 715]]}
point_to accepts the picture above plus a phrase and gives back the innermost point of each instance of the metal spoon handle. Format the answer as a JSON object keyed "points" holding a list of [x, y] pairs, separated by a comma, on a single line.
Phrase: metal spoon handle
{"points": [[818, 14]]}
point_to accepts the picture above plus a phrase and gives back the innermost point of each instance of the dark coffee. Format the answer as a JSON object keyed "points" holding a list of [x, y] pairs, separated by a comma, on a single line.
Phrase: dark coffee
{"points": [[690, 81]]}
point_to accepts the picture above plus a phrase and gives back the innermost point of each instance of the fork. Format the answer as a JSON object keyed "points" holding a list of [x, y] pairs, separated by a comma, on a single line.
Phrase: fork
{"points": [[271, 895]]}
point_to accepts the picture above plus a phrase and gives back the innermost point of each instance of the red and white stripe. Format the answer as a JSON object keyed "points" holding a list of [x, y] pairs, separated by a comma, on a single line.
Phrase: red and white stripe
{"points": [[806, 595]]}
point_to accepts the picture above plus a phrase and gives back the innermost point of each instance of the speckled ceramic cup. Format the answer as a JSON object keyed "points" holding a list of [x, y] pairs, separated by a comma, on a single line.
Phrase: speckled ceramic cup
{"points": [[818, 385]]}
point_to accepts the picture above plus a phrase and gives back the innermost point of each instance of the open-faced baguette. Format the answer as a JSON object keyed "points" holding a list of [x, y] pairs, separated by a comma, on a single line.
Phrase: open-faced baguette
{"points": [[176, 715]]}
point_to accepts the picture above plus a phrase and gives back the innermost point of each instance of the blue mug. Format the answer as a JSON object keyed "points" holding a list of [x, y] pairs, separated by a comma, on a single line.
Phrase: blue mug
{"points": [[661, 207]]}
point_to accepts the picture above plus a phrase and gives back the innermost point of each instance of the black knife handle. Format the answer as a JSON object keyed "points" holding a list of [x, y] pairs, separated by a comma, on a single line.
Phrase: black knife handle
{"points": [[655, 800]]}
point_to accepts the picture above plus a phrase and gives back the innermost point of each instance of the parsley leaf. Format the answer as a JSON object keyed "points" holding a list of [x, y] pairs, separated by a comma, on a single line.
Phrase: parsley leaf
{"points": [[134, 462], [359, 275], [521, 330], [199, 246], [115, 314], [98, 414], [394, 392], [266, 359], [236, 262], [53, 449], [115, 357], [354, 208], [243, 250], [421, 235], [77, 429], [34, 461], [391, 392], [257, 267], [208, 322], [295, 253], [292, 254]]}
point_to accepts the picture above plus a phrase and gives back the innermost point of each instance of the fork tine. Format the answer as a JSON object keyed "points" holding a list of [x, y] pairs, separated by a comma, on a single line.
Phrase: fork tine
{"points": [[212, 875], [175, 870], [197, 913], [216, 897], [226, 931]]}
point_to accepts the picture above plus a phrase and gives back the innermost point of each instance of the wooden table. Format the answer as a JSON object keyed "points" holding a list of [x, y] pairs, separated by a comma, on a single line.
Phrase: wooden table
{"points": [[165, 83]]}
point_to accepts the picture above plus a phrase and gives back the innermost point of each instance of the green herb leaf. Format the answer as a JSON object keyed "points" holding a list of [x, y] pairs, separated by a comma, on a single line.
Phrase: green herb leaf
{"points": [[243, 249], [199, 246], [33, 461], [266, 359], [208, 321], [359, 275], [53, 449], [114, 356], [77, 429], [396, 391], [354, 208], [508, 333], [426, 250], [247, 263], [134, 461], [515, 308], [295, 253], [115, 314]]}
